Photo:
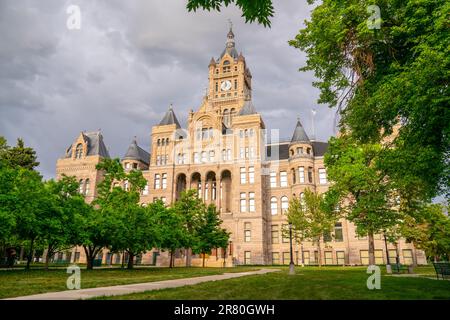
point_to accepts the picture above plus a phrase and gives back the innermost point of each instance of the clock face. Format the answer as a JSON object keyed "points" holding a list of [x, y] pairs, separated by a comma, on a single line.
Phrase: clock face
{"points": [[225, 85]]}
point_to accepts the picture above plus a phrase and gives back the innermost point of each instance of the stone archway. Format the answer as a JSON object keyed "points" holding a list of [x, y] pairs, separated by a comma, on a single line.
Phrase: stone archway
{"points": [[196, 183], [181, 185], [225, 191], [210, 188]]}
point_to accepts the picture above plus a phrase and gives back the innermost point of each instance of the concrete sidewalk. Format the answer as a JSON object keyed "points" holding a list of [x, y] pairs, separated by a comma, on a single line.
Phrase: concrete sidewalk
{"points": [[133, 288]]}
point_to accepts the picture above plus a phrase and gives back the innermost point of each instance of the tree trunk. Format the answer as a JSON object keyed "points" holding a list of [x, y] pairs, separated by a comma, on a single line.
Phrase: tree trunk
{"points": [[48, 255], [30, 254], [171, 259], [371, 248], [203, 263], [130, 261], [21, 253], [89, 258], [319, 251], [123, 259], [188, 257]]}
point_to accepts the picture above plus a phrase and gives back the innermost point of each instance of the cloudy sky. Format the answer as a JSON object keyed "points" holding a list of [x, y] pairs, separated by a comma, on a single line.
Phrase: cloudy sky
{"points": [[129, 61]]}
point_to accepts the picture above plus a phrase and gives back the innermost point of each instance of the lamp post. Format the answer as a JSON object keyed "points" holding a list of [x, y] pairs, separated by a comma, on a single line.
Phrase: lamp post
{"points": [[291, 264]]}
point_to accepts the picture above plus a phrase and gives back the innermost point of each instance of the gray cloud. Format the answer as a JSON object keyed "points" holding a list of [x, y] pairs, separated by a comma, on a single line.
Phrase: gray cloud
{"points": [[129, 61]]}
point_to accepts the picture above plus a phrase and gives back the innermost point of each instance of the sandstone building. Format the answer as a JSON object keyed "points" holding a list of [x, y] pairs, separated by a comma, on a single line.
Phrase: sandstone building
{"points": [[227, 155]]}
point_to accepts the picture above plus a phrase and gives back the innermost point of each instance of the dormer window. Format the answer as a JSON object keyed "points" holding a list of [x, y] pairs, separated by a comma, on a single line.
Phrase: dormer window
{"points": [[226, 62], [79, 151]]}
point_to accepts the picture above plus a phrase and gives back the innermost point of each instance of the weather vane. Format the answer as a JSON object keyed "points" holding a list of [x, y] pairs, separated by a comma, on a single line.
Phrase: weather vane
{"points": [[231, 23]]}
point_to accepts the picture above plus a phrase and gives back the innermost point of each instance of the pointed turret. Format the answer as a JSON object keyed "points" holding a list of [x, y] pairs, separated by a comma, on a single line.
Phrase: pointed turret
{"points": [[135, 152], [299, 133], [170, 118], [230, 45], [212, 62]]}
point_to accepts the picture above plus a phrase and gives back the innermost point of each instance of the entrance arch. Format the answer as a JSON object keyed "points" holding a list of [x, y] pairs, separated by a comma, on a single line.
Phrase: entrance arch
{"points": [[225, 191]]}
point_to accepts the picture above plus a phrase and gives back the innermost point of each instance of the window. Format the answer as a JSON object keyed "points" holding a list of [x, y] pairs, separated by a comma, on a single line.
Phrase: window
{"points": [[217, 86], [243, 175], [247, 257], [285, 233], [283, 179], [392, 256], [301, 174], [86, 187], [158, 143], [214, 191], [81, 189], [157, 181], [252, 152], [327, 236], [145, 191], [338, 235], [204, 159], [316, 257], [158, 160], [163, 199], [306, 260], [364, 254], [251, 201], [211, 133], [247, 232], [302, 200], [206, 191], [204, 133], [328, 257], [196, 157], [228, 154], [379, 257], [273, 179], [251, 174], [322, 176], [286, 257], [246, 153], [310, 175], [241, 153], [211, 156], [273, 205], [235, 84], [275, 258], [407, 257], [127, 165], [135, 165], [284, 204], [79, 151], [164, 180], [340, 257], [243, 202], [299, 150], [275, 234]]}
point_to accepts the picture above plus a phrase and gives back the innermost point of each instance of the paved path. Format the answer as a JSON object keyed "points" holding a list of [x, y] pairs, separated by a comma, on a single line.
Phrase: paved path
{"points": [[133, 288]]}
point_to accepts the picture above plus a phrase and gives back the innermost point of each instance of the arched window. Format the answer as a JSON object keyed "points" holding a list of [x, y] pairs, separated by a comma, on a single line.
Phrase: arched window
{"points": [[81, 188], [226, 62], [273, 206], [284, 204], [79, 151], [162, 141], [167, 141], [87, 186], [226, 117], [159, 142]]}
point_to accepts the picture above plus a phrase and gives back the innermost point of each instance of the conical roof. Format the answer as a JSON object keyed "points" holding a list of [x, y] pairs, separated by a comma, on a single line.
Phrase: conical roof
{"points": [[299, 133], [170, 118], [135, 152]]}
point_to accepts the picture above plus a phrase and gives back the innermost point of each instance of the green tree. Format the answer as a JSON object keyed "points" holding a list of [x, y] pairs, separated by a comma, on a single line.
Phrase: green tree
{"points": [[365, 194], [172, 226], [60, 223], [310, 218], [19, 155], [190, 207], [209, 233]]}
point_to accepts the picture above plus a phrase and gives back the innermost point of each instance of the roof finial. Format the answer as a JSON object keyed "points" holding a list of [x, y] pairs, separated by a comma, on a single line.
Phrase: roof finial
{"points": [[231, 24], [171, 106]]}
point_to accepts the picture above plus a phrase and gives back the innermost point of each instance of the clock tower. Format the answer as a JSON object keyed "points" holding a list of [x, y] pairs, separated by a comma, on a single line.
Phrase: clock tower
{"points": [[229, 81]]}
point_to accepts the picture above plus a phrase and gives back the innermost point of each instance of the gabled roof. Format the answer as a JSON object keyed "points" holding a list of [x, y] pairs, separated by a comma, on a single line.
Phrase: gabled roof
{"points": [[95, 145], [135, 152], [170, 118], [299, 133], [247, 109]]}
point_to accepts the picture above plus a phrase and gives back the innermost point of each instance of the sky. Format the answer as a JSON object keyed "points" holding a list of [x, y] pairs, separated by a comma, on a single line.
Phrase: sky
{"points": [[129, 61]]}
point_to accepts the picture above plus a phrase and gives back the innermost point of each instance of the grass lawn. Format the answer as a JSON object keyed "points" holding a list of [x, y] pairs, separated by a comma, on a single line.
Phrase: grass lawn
{"points": [[309, 283], [14, 283]]}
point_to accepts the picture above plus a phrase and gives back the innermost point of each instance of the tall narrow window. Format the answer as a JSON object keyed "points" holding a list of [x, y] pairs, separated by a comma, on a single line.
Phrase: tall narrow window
{"points": [[322, 176], [242, 153], [204, 158], [164, 180], [224, 155], [275, 234], [243, 175], [157, 181], [338, 235], [214, 191], [235, 84], [79, 151], [206, 190], [273, 206], [251, 201], [145, 190], [228, 154], [283, 179], [212, 155], [243, 202], [81, 187], [87, 186], [273, 179], [310, 175], [196, 157], [284, 204], [252, 152], [251, 174], [301, 174], [247, 257], [246, 153], [247, 232], [158, 160]]}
